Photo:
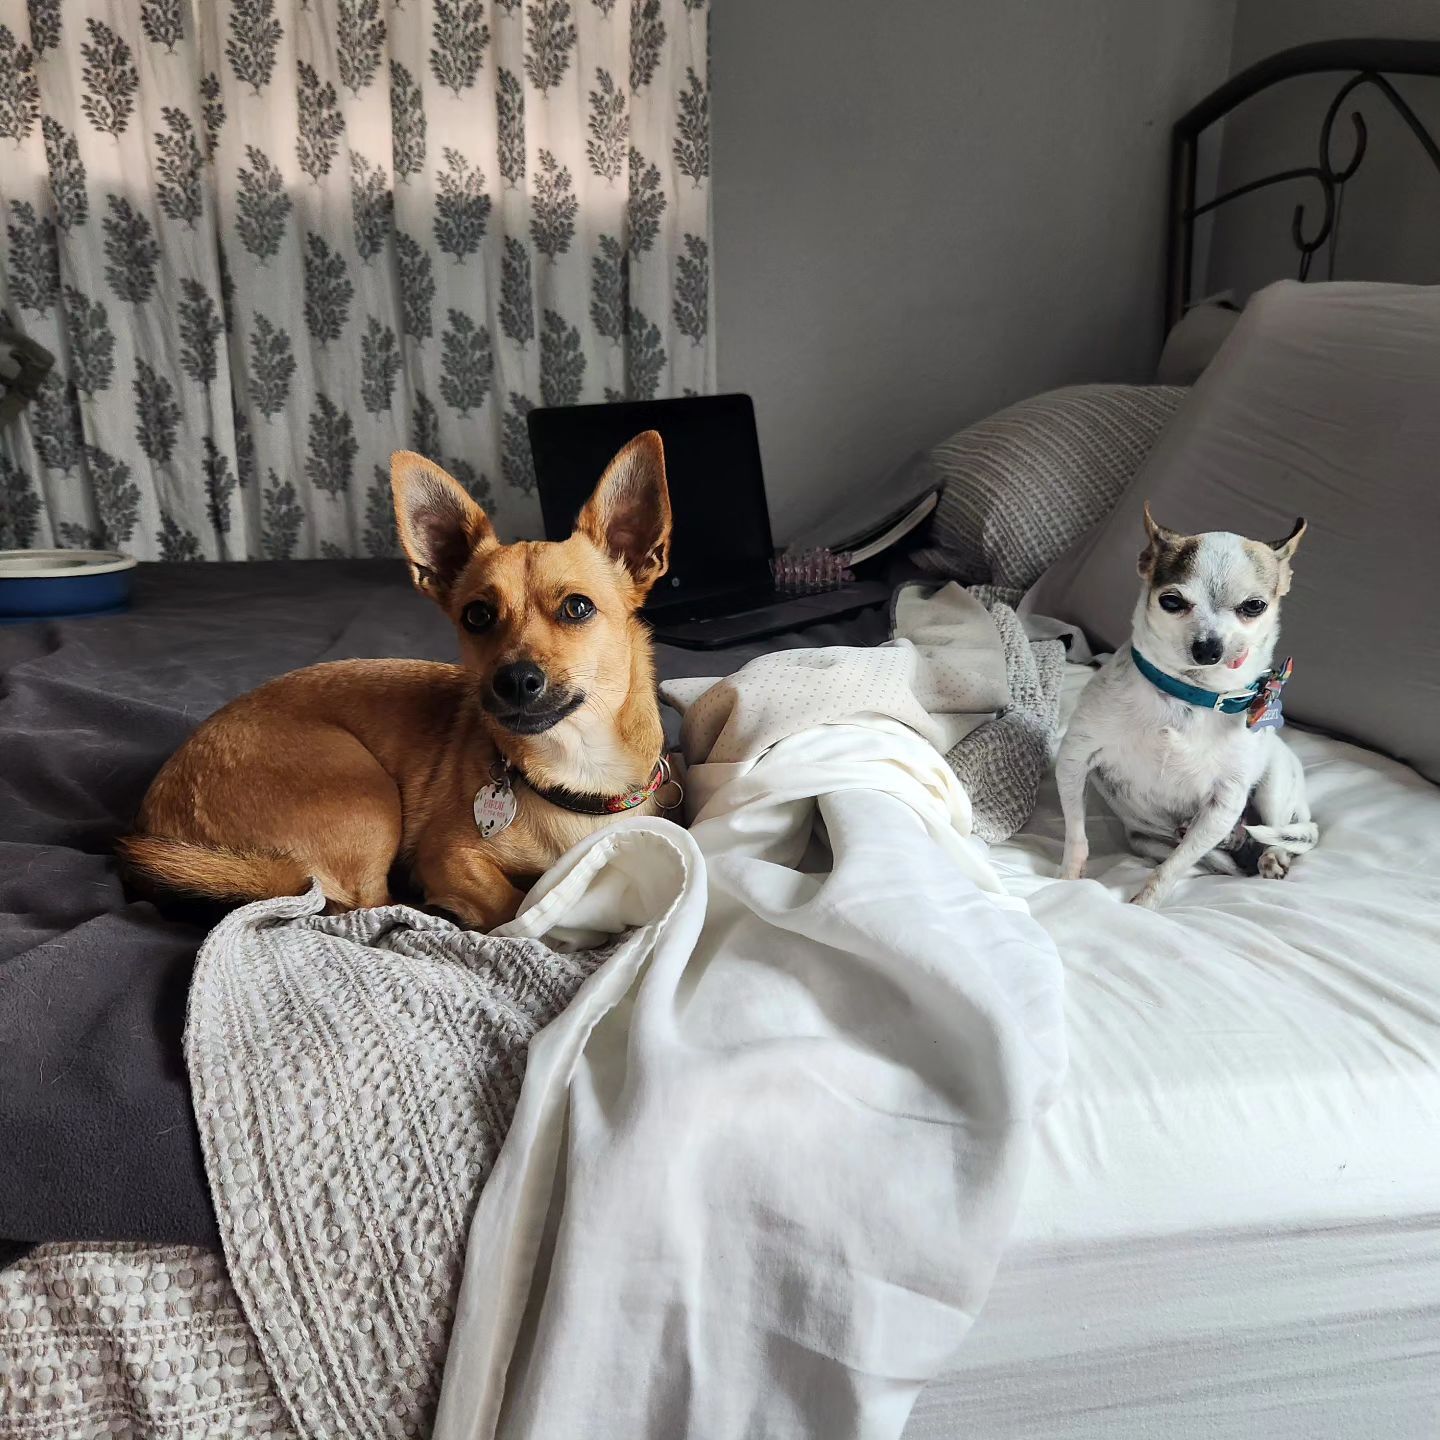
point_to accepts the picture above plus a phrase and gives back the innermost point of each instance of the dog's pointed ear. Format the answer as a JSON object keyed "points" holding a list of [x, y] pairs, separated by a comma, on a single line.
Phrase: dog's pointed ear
{"points": [[1159, 534], [1287, 547], [1158, 539], [439, 525], [628, 516]]}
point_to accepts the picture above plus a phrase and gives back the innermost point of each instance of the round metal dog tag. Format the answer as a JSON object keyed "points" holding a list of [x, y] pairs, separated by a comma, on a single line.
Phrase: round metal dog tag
{"points": [[494, 808]]}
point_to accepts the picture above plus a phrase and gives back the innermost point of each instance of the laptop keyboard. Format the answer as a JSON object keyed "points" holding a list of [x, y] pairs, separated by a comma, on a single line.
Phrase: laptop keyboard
{"points": [[772, 619]]}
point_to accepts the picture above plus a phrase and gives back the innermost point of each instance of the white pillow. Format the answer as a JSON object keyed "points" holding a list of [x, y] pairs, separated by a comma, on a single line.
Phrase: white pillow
{"points": [[1195, 340]]}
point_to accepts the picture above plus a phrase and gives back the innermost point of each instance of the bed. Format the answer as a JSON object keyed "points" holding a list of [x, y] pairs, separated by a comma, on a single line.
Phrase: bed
{"points": [[1153, 1284], [1231, 1221]]}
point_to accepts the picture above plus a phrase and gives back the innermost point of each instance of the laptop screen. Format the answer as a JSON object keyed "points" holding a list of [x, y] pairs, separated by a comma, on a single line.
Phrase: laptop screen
{"points": [[721, 525]]}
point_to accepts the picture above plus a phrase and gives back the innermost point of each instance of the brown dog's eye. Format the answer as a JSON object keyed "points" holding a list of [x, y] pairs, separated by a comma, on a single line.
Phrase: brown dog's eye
{"points": [[1173, 604], [576, 608], [477, 617], [1251, 609]]}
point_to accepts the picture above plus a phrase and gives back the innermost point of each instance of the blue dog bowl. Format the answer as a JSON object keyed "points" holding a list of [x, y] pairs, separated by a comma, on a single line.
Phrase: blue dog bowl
{"points": [[45, 584]]}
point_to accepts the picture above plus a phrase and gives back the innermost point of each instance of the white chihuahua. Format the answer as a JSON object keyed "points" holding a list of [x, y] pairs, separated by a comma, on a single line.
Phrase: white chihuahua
{"points": [[1180, 727]]}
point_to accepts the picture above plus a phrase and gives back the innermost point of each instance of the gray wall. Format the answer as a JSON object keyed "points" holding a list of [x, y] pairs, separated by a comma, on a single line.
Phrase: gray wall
{"points": [[926, 209], [1390, 221]]}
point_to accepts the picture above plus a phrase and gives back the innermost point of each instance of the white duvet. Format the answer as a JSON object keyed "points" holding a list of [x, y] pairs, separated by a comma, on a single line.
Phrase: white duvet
{"points": [[764, 1166]]}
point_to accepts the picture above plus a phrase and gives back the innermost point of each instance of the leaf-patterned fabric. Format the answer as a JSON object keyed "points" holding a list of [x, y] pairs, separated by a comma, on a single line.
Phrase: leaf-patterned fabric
{"points": [[270, 241]]}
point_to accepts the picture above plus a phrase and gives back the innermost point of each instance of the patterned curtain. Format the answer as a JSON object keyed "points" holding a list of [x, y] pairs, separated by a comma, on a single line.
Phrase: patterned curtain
{"points": [[269, 241]]}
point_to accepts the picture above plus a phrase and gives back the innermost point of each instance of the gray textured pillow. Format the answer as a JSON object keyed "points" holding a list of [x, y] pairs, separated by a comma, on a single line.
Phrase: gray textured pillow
{"points": [[1020, 486], [1324, 402]]}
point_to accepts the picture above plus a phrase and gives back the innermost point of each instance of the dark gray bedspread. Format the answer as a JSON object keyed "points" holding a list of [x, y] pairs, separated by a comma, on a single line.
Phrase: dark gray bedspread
{"points": [[97, 1140]]}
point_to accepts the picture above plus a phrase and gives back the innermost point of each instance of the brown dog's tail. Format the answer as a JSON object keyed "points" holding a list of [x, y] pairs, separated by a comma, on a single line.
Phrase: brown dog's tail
{"points": [[213, 872]]}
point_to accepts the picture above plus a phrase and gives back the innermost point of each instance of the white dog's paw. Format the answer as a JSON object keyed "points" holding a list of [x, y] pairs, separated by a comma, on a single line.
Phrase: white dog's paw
{"points": [[1275, 864], [1072, 867], [1147, 897]]}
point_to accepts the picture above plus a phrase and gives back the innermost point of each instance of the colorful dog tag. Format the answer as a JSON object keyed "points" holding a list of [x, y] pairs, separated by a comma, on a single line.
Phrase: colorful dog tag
{"points": [[1265, 712], [494, 807]]}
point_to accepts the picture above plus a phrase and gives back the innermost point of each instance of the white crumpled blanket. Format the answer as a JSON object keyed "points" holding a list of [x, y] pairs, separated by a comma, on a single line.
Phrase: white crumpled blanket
{"points": [[763, 1167]]}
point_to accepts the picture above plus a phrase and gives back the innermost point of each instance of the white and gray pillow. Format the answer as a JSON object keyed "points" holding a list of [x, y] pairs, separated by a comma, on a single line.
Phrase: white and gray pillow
{"points": [[1020, 486]]}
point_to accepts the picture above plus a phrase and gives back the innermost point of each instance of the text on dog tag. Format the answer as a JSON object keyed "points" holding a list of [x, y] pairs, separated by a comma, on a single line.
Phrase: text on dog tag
{"points": [[494, 808]]}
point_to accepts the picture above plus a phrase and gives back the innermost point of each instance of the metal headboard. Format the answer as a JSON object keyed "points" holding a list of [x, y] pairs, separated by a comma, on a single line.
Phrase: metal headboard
{"points": [[1364, 62]]}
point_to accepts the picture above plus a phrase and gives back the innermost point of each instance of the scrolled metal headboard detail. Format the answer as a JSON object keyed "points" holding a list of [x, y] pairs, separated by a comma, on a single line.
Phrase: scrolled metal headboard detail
{"points": [[1366, 62]]}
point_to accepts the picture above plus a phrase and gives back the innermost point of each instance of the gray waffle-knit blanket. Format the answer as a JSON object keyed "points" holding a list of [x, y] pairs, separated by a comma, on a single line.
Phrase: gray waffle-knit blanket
{"points": [[354, 1077], [1002, 759], [130, 1342], [1002, 762]]}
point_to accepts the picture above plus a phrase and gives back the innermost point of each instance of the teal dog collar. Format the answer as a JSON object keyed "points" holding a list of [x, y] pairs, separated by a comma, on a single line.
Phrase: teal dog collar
{"points": [[1260, 699]]}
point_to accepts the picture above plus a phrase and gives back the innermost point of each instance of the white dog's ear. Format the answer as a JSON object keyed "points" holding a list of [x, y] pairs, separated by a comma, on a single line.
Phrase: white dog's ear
{"points": [[1287, 547], [1158, 534], [1284, 549], [1159, 541]]}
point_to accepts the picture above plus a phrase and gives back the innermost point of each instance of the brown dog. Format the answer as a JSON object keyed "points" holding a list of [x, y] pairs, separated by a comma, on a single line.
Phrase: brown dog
{"points": [[548, 727]]}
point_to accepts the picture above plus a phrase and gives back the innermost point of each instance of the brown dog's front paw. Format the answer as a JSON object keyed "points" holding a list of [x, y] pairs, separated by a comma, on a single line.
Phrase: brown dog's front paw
{"points": [[465, 881], [486, 901], [469, 917], [486, 917]]}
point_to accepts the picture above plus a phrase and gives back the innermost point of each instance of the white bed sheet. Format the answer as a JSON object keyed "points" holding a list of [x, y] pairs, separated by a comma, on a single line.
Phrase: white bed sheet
{"points": [[1232, 1223]]}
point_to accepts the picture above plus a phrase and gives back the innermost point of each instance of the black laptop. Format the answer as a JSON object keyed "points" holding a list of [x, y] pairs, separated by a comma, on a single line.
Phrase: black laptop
{"points": [[719, 589]]}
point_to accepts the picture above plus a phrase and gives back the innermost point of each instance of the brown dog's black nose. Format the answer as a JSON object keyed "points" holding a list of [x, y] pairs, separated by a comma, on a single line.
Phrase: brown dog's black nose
{"points": [[1207, 649], [518, 685]]}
